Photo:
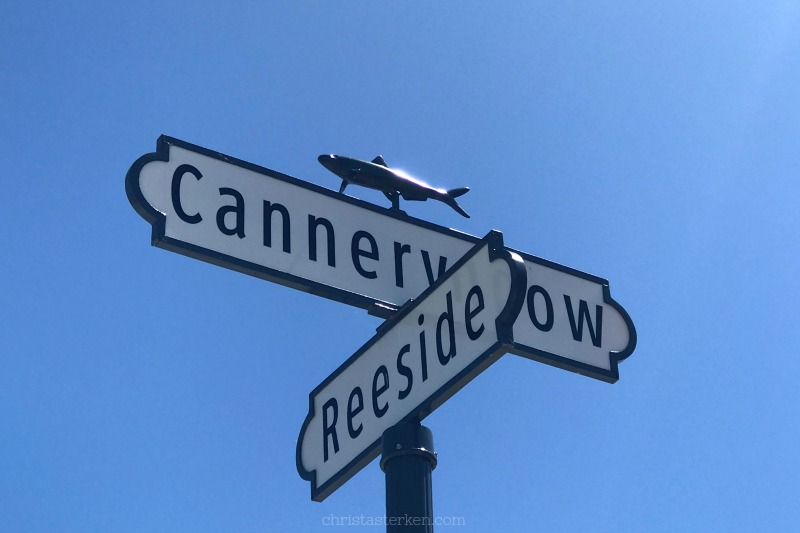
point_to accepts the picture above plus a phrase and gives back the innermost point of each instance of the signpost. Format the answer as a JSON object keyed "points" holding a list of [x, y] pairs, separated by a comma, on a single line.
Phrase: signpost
{"points": [[454, 303]]}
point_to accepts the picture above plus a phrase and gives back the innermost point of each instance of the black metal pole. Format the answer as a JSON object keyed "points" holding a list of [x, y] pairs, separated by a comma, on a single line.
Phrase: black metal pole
{"points": [[408, 460]]}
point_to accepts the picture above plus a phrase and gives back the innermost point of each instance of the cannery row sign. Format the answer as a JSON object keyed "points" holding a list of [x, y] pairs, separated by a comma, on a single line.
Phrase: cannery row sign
{"points": [[254, 220], [248, 218]]}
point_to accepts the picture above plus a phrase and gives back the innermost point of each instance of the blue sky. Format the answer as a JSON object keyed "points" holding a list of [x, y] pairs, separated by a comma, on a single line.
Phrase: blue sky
{"points": [[652, 144]]}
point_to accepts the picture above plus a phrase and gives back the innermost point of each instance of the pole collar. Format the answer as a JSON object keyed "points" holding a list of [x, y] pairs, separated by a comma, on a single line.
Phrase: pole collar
{"points": [[410, 438]]}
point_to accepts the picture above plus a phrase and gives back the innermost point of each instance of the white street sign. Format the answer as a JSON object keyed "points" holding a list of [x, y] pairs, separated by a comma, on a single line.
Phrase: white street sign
{"points": [[251, 219], [417, 360], [248, 218], [570, 321]]}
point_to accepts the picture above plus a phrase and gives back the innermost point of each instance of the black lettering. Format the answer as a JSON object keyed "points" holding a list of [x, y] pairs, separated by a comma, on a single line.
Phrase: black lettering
{"points": [[470, 313], [447, 316], [177, 176], [353, 411], [429, 269], [377, 391], [329, 429], [404, 371], [423, 353], [269, 209], [237, 209], [547, 325], [583, 312], [399, 250], [357, 253], [313, 223]]}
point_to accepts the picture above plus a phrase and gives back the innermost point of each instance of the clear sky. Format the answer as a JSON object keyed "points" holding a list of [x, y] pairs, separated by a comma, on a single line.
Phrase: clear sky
{"points": [[653, 144]]}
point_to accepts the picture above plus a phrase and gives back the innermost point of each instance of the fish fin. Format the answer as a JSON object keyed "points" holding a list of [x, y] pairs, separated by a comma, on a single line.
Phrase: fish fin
{"points": [[459, 210], [455, 193], [452, 203], [379, 161]]}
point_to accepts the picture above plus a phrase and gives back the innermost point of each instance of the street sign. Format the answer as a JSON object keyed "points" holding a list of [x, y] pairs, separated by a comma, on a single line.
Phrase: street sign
{"points": [[254, 220], [570, 321], [417, 360]]}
